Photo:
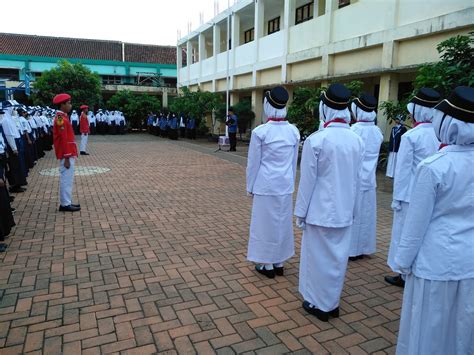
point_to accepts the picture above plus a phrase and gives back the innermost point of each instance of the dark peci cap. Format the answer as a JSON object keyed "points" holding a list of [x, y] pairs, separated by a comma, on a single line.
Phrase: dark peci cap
{"points": [[277, 97], [459, 104], [337, 97], [426, 97], [366, 102]]}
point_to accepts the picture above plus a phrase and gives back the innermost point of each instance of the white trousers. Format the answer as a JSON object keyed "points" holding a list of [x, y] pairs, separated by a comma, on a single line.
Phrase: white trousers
{"points": [[84, 139], [323, 265], [66, 181]]}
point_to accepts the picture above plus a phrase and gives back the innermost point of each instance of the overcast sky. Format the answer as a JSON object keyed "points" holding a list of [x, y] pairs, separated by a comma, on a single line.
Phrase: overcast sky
{"points": [[137, 21]]}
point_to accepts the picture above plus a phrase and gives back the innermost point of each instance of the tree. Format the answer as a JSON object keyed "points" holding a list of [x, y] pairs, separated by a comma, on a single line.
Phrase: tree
{"points": [[80, 82], [455, 68], [196, 104], [135, 107], [304, 110], [243, 110]]}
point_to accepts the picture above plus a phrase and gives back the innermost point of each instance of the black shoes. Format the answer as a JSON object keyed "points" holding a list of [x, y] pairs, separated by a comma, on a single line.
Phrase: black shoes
{"points": [[70, 208], [354, 258], [3, 247], [395, 280], [278, 271], [84, 153], [268, 273], [16, 189], [321, 315], [77, 206]]}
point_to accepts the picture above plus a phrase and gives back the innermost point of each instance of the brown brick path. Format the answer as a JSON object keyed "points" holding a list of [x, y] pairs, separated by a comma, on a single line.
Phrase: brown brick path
{"points": [[155, 262]]}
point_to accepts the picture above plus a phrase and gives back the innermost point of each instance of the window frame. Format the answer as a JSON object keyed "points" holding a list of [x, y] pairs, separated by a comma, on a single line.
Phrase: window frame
{"points": [[301, 11], [343, 3], [251, 35], [272, 23]]}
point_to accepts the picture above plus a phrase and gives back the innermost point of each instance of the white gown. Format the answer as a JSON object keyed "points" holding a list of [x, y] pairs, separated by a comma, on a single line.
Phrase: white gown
{"points": [[271, 171]]}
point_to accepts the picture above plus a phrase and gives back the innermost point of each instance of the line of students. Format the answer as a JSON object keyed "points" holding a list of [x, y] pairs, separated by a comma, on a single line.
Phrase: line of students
{"points": [[102, 122], [433, 232], [25, 136], [169, 125]]}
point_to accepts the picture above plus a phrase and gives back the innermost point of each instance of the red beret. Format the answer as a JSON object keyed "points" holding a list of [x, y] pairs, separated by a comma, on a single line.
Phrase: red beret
{"points": [[60, 98], [83, 107]]}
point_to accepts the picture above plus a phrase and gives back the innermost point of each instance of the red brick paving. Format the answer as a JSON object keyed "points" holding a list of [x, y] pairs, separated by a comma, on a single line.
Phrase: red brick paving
{"points": [[155, 262]]}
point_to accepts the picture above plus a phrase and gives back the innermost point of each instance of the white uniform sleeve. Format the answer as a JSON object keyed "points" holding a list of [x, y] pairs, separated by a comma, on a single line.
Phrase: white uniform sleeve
{"points": [[11, 142], [401, 185], [418, 217], [309, 172], [253, 161]]}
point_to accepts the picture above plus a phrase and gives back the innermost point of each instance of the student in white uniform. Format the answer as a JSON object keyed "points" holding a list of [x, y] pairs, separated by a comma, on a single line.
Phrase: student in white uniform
{"points": [[271, 173], [417, 144], [330, 172], [75, 121], [436, 249], [364, 229]]}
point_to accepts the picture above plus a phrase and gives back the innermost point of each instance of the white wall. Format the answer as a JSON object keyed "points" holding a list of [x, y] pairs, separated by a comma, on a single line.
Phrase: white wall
{"points": [[270, 46]]}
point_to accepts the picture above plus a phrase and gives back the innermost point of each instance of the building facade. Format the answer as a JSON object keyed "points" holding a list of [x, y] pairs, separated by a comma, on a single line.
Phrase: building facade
{"points": [[314, 42], [121, 66]]}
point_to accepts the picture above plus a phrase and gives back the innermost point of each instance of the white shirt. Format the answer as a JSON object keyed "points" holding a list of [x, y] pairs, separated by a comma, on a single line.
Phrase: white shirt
{"points": [[91, 118], [373, 138], [74, 117], [272, 159], [2, 146], [417, 144], [437, 241], [24, 125], [330, 171]]}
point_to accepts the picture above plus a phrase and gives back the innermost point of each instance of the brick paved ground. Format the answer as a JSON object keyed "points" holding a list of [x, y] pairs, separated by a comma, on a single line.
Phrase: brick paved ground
{"points": [[155, 262]]}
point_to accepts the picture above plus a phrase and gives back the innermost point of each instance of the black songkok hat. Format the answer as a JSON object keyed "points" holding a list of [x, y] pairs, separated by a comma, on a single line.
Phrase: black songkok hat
{"points": [[277, 97], [460, 104], [336, 97], [366, 102], [426, 97]]}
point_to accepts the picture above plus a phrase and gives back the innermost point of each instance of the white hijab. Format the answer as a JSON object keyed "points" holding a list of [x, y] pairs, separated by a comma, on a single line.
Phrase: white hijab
{"points": [[327, 114], [362, 115], [272, 112], [420, 113], [450, 130]]}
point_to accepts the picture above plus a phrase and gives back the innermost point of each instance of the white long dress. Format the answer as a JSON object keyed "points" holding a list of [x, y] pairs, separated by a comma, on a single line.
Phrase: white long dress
{"points": [[271, 171], [332, 159], [364, 228]]}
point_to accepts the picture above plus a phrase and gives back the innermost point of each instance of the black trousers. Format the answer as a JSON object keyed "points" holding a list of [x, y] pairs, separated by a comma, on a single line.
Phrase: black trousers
{"points": [[233, 141]]}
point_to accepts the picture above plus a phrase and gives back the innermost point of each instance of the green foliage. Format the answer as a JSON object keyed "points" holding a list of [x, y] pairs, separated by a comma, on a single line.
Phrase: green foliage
{"points": [[243, 110], [196, 104], [135, 107], [304, 110], [393, 110], [75, 79], [455, 68]]}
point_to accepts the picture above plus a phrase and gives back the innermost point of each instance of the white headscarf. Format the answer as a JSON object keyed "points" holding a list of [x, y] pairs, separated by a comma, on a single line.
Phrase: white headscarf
{"points": [[450, 130], [272, 112], [362, 115], [421, 113], [327, 114]]}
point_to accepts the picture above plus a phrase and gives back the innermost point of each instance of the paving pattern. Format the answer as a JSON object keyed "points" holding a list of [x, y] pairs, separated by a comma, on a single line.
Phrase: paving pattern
{"points": [[156, 263]]}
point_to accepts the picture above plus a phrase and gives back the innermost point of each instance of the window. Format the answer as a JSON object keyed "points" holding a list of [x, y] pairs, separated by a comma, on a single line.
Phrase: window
{"points": [[274, 25], [249, 35], [10, 74], [344, 3], [111, 80], [304, 13]]}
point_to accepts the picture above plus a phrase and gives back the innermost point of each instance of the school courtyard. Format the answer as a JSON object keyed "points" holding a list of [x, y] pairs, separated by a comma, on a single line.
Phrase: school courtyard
{"points": [[156, 263]]}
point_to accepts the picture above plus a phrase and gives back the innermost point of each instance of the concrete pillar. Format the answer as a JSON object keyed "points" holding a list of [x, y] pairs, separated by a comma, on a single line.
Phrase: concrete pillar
{"points": [[179, 60], [165, 98], [235, 30], [259, 19], [287, 20], [202, 47], [388, 92], [389, 54], [257, 107], [189, 58]]}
